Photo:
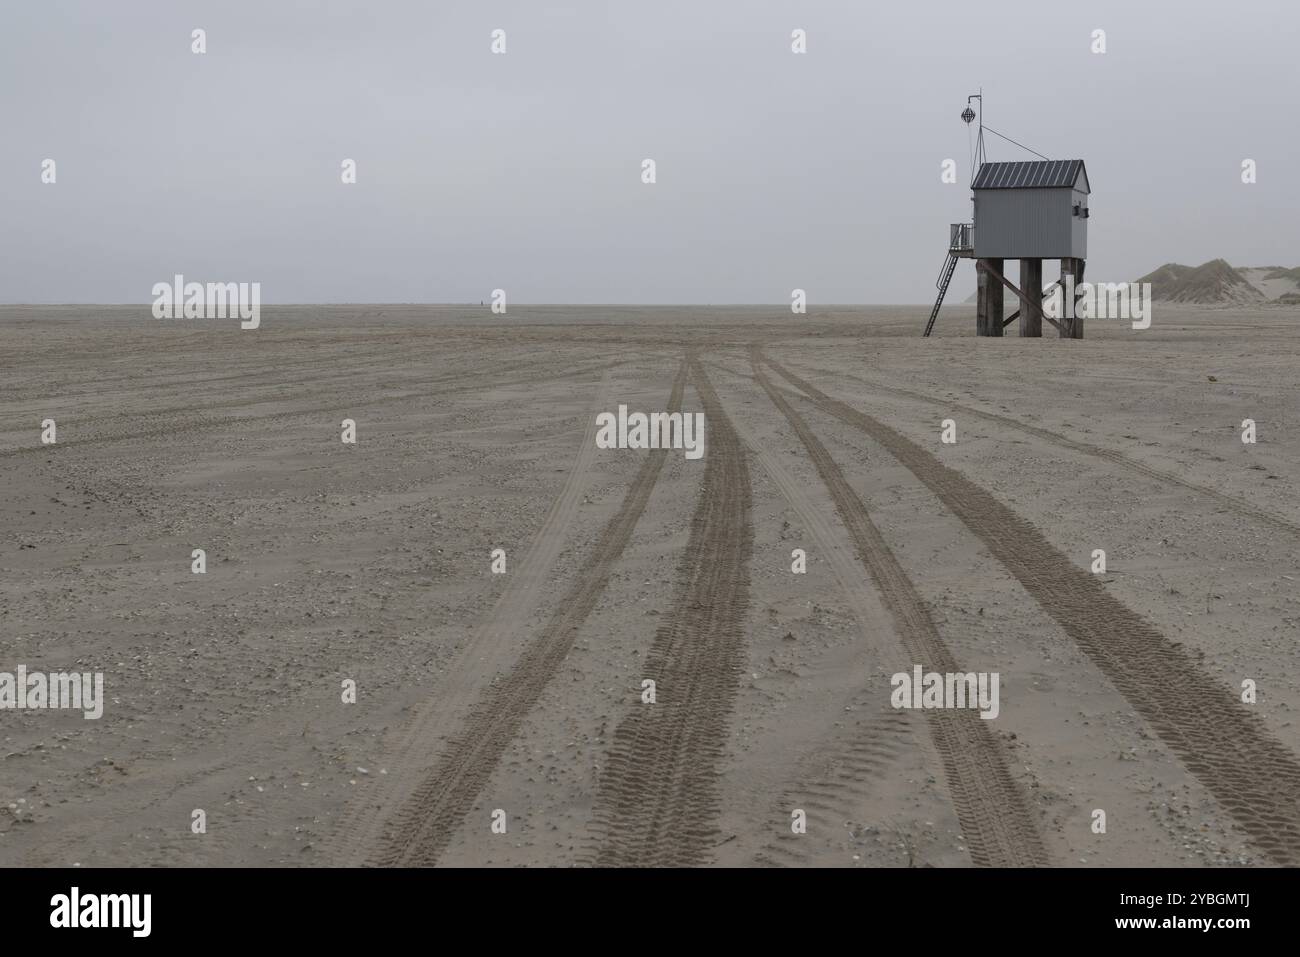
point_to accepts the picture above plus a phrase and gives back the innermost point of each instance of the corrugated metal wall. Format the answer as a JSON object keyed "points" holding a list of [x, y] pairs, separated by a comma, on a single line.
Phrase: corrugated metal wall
{"points": [[1028, 223], [1079, 228]]}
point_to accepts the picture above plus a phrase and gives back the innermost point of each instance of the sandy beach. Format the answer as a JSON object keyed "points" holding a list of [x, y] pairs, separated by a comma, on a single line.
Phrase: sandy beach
{"points": [[518, 698]]}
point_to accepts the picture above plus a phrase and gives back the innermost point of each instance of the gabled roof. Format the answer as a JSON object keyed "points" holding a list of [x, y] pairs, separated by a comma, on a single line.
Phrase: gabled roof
{"points": [[1034, 174]]}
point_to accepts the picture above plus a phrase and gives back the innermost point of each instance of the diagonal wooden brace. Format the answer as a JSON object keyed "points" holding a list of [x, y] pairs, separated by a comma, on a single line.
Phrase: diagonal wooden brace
{"points": [[1016, 315], [981, 264]]}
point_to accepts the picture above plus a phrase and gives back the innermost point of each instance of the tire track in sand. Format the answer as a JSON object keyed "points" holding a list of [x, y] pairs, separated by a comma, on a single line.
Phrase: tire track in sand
{"points": [[845, 768], [355, 837], [657, 802], [449, 384], [833, 778], [1228, 749], [996, 820], [415, 822], [1240, 506]]}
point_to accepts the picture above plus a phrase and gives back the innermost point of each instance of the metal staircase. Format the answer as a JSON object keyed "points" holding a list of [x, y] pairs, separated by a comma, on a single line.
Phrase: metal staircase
{"points": [[961, 245], [945, 277]]}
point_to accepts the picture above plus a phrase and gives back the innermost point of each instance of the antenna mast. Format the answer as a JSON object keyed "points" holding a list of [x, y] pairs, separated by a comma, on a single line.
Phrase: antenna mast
{"points": [[969, 115]]}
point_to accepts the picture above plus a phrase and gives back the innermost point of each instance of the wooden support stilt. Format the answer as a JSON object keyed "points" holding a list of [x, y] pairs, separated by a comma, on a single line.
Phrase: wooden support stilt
{"points": [[1071, 325], [1067, 307], [988, 300], [995, 302], [1031, 313], [1076, 331], [983, 282]]}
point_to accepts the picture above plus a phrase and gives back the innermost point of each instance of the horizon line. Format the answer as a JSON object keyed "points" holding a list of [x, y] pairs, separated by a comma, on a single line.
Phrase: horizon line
{"points": [[485, 305]]}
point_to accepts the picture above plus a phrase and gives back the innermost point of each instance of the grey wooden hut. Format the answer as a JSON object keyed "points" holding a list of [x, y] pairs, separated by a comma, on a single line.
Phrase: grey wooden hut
{"points": [[1029, 211]]}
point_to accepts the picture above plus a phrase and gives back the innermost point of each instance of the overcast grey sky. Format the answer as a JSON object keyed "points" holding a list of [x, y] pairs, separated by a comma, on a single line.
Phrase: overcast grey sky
{"points": [[522, 171]]}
